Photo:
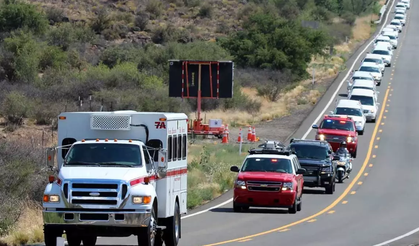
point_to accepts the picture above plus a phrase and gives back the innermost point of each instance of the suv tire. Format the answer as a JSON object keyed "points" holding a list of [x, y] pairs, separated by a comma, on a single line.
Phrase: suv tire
{"points": [[294, 208]]}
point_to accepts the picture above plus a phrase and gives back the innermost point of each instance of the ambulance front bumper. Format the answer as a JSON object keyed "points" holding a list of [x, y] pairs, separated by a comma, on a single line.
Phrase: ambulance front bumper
{"points": [[137, 218]]}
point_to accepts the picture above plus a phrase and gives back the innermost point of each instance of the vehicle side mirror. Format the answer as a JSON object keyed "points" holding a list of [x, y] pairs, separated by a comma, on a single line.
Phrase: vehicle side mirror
{"points": [[315, 126], [162, 164], [234, 169], [336, 158], [50, 157], [301, 171]]}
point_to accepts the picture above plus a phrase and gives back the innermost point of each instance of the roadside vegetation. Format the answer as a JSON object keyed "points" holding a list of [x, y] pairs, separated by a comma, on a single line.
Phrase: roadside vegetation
{"points": [[52, 54]]}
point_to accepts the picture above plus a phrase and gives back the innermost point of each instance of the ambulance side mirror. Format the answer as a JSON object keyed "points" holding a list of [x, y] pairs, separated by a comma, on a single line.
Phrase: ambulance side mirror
{"points": [[50, 156], [162, 163]]}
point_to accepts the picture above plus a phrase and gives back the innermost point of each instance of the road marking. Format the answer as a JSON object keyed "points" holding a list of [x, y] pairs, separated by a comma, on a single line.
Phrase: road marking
{"points": [[344, 202], [385, 117], [386, 110], [378, 138], [398, 238], [371, 165], [242, 241], [284, 230], [313, 220], [382, 123], [360, 183], [334, 203], [331, 212], [332, 98], [353, 192], [390, 94], [374, 156], [376, 147], [365, 174], [206, 210]]}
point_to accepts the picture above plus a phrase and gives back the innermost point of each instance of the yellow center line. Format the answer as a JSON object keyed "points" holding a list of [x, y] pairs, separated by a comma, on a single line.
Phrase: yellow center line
{"points": [[333, 204]]}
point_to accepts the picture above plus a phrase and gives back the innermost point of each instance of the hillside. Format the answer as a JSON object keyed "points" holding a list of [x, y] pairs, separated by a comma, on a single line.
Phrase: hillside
{"points": [[53, 52]]}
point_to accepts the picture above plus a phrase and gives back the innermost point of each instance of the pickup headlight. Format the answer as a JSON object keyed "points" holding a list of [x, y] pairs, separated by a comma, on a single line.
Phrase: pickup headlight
{"points": [[52, 198], [358, 123], [350, 139], [287, 186], [141, 199], [328, 169], [322, 137], [241, 184]]}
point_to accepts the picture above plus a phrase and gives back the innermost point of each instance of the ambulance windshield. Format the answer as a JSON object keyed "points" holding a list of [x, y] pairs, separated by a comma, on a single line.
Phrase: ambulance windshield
{"points": [[104, 154]]}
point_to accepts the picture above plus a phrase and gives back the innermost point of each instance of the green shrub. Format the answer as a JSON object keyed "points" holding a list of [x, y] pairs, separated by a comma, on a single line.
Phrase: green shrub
{"points": [[52, 57], [15, 107], [141, 21], [155, 8], [15, 15], [55, 15], [67, 34], [206, 11], [102, 21]]}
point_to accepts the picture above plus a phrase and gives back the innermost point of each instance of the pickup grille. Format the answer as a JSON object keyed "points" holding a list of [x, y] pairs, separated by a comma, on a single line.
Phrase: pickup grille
{"points": [[311, 170], [268, 186], [335, 138], [94, 194]]}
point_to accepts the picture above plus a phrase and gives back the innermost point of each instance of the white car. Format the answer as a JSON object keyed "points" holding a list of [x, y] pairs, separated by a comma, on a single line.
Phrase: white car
{"points": [[359, 75], [397, 23], [390, 28], [401, 18], [354, 110], [381, 38], [401, 5], [374, 69], [393, 38], [369, 104], [384, 53], [387, 45], [364, 84], [407, 3], [377, 60], [400, 12]]}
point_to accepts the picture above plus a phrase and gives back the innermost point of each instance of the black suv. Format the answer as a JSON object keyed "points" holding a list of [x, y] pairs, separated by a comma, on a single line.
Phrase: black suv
{"points": [[317, 158]]}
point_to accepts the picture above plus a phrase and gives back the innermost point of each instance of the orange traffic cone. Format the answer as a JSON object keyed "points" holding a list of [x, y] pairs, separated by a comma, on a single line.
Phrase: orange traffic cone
{"points": [[225, 137], [253, 135], [239, 139], [228, 133], [249, 134]]}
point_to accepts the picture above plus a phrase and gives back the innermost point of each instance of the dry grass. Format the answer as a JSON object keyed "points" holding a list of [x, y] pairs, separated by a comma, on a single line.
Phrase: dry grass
{"points": [[28, 229]]}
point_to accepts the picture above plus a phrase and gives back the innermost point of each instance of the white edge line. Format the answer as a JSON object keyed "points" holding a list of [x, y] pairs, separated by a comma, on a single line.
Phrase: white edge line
{"points": [[208, 209], [347, 75], [398, 238], [317, 119]]}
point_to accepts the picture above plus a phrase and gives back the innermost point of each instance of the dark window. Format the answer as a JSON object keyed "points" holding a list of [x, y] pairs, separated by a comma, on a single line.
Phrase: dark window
{"points": [[310, 152], [365, 100], [179, 147], [185, 146], [348, 111], [104, 154], [175, 148], [146, 156], [169, 149], [66, 141], [267, 165]]}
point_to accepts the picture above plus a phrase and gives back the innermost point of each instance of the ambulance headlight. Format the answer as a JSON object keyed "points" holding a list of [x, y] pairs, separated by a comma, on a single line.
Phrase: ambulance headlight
{"points": [[141, 199]]}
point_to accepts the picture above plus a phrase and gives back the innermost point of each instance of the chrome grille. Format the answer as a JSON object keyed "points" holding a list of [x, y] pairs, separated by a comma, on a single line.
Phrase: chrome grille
{"points": [[311, 170], [93, 194], [269, 186], [335, 138]]}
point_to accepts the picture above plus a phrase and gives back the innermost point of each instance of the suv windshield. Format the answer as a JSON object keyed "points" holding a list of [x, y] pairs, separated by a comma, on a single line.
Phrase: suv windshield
{"points": [[274, 165], [337, 125], [348, 111], [365, 100], [369, 69], [310, 151], [101, 154], [379, 61], [398, 18], [381, 52]]}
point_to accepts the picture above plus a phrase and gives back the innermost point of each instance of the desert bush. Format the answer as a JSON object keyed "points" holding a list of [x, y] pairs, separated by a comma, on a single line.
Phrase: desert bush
{"points": [[55, 15], [67, 34], [52, 57], [102, 21], [192, 3], [155, 8], [272, 83], [21, 172], [119, 53], [15, 15], [141, 21], [15, 107], [206, 11]]}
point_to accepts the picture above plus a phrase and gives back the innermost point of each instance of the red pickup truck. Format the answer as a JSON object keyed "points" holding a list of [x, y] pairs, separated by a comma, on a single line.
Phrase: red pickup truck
{"points": [[269, 177], [335, 129]]}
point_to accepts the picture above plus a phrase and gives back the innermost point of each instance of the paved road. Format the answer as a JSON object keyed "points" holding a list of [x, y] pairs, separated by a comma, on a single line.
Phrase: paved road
{"points": [[378, 203]]}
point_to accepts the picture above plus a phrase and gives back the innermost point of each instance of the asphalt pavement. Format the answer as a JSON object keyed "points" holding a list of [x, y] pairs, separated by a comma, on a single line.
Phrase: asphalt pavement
{"points": [[379, 201]]}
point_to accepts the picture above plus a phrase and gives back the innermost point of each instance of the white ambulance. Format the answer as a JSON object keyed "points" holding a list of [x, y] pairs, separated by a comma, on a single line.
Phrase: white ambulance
{"points": [[119, 173]]}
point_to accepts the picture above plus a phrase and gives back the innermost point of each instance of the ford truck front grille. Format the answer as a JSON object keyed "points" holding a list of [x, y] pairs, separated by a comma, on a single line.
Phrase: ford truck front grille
{"points": [[335, 138], [269, 186], [97, 194]]}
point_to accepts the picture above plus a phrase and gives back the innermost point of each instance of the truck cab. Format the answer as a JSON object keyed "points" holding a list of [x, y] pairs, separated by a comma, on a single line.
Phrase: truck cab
{"points": [[117, 174], [269, 177]]}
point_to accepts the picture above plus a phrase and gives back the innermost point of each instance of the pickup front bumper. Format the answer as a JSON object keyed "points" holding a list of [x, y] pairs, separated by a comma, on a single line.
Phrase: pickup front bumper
{"points": [[113, 218], [320, 180]]}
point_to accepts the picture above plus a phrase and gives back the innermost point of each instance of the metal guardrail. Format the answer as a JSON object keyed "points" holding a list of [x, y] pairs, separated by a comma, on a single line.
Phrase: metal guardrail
{"points": [[382, 12]]}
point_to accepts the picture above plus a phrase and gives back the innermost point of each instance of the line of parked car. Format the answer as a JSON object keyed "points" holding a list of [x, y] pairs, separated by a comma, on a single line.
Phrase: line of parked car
{"points": [[274, 175]]}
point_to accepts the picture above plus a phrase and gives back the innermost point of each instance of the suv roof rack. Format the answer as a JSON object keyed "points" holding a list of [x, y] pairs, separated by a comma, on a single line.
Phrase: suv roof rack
{"points": [[256, 151], [338, 116], [293, 140], [272, 144]]}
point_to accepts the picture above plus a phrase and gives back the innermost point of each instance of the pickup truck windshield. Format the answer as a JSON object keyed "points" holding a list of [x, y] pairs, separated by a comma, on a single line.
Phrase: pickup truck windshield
{"points": [[364, 100], [104, 154], [381, 52], [337, 125], [311, 152], [274, 165], [348, 111]]}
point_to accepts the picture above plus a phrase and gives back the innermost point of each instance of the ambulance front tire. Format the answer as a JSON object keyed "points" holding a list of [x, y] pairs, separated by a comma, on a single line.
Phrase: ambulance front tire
{"points": [[172, 234], [147, 236]]}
